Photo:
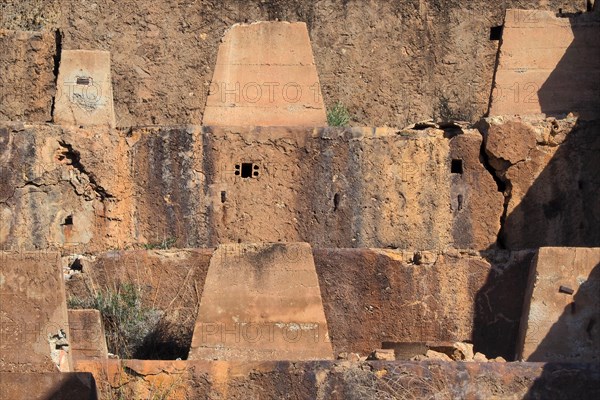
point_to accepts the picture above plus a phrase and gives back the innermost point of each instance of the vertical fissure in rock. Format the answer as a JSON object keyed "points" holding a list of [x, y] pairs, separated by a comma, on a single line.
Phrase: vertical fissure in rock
{"points": [[58, 43]]}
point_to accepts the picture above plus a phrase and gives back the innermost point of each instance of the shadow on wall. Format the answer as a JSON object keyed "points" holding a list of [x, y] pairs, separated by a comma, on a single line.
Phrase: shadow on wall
{"points": [[73, 386], [561, 207], [547, 385], [573, 84]]}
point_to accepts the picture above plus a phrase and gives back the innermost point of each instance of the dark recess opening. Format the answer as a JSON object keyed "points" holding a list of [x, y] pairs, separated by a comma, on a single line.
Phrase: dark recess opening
{"points": [[83, 80], [456, 167], [246, 170], [76, 265], [68, 220], [336, 201], [223, 196], [496, 32]]}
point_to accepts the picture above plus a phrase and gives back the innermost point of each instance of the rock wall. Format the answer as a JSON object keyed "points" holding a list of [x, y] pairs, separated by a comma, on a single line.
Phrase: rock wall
{"points": [[92, 189], [369, 295], [550, 171], [391, 63]]}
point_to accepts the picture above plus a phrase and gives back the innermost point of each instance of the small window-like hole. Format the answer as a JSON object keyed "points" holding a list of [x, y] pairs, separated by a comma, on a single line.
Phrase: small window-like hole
{"points": [[68, 220], [336, 201], [223, 196], [76, 265], [496, 32], [246, 170], [255, 173], [457, 166], [83, 80]]}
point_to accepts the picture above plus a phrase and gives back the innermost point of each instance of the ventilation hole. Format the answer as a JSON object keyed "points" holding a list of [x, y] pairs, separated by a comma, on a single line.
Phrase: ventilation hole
{"points": [[223, 196], [457, 166], [83, 80], [336, 201], [496, 32], [255, 166], [237, 169], [460, 202], [255, 173], [68, 220], [246, 170]]}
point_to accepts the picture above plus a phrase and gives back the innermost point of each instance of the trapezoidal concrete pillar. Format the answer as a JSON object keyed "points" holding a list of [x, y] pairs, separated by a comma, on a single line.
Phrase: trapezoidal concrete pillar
{"points": [[84, 94], [261, 302], [265, 76]]}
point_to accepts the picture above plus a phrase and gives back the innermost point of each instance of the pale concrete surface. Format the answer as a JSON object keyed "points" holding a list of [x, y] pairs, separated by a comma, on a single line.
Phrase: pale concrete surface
{"points": [[561, 316], [548, 64], [265, 75], [87, 335], [84, 94], [33, 313], [261, 302]]}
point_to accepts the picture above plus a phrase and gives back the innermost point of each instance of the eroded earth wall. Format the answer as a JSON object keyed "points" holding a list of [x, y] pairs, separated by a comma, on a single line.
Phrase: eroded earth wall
{"points": [[391, 62], [95, 189]]}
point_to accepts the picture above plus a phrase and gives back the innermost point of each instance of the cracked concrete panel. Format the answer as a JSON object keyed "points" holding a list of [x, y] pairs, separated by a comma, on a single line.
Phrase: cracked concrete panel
{"points": [[84, 94], [34, 327], [270, 309], [561, 316], [265, 75]]}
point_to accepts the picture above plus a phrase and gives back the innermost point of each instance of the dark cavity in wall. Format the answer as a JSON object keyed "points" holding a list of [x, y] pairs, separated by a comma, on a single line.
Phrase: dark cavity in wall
{"points": [[57, 53]]}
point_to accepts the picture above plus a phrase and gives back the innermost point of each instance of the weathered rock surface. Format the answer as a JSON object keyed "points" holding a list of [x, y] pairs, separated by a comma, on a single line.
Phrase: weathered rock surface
{"points": [[34, 327], [168, 280], [391, 63], [90, 190], [345, 380], [445, 297], [26, 75], [550, 169], [562, 308], [265, 75]]}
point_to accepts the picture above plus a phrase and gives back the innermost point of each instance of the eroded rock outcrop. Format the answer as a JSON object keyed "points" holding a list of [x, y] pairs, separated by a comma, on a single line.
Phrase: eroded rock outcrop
{"points": [[550, 169]]}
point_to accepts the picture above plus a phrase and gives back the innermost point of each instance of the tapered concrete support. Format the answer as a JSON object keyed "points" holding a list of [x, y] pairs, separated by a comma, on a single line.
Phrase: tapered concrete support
{"points": [[265, 76], [87, 335], [261, 302], [34, 329], [561, 317], [548, 64], [84, 94]]}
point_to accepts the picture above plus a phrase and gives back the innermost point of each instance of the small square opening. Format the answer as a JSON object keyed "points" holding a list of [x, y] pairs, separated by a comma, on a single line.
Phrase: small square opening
{"points": [[456, 167], [68, 221], [496, 32], [246, 170]]}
